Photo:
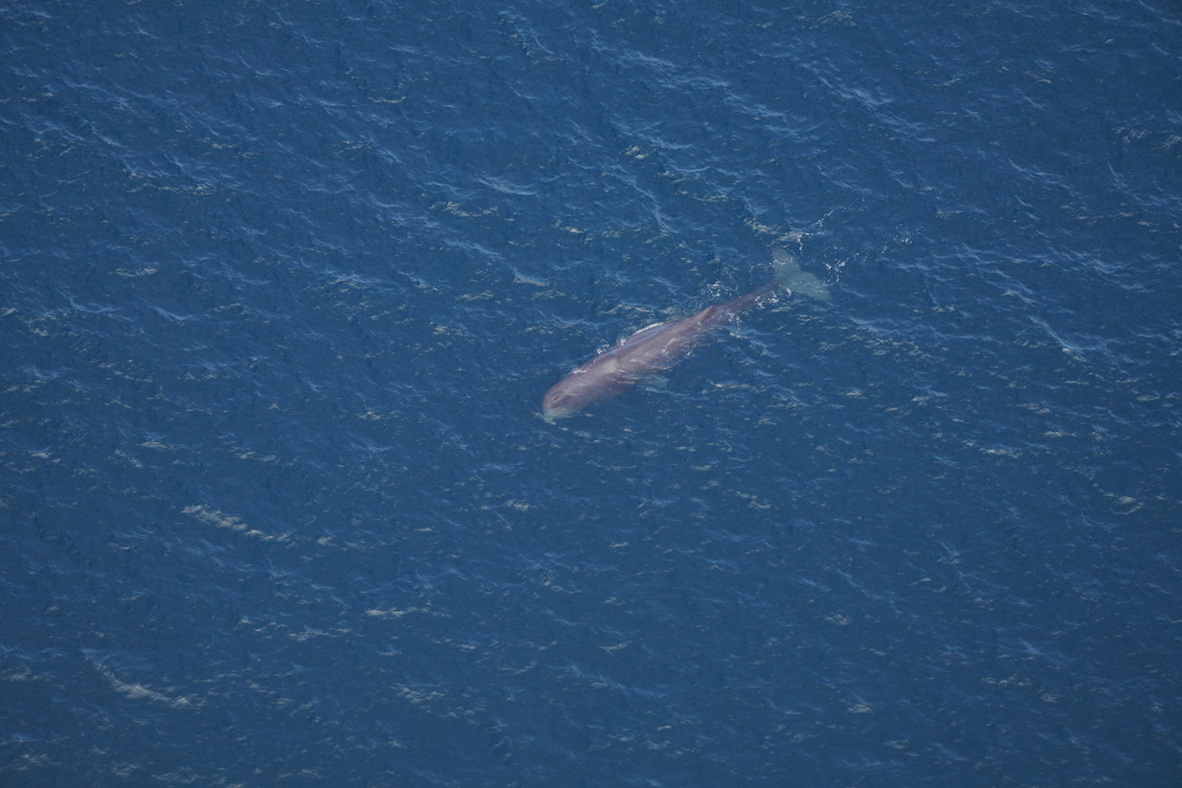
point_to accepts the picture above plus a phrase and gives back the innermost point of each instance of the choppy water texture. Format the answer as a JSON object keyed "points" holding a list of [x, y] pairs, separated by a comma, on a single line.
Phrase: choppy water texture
{"points": [[283, 285]]}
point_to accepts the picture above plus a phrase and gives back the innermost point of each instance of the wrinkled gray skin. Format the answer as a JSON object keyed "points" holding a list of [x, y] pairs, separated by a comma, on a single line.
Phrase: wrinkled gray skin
{"points": [[660, 346]]}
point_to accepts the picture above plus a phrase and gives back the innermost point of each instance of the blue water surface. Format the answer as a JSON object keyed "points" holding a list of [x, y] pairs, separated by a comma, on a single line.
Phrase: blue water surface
{"points": [[283, 285]]}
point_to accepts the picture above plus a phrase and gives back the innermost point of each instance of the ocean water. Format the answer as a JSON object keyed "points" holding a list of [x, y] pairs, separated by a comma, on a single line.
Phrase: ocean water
{"points": [[282, 287]]}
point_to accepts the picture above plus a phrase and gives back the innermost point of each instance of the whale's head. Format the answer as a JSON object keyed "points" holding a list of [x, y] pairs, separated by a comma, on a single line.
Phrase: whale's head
{"points": [[591, 383], [602, 378], [561, 401]]}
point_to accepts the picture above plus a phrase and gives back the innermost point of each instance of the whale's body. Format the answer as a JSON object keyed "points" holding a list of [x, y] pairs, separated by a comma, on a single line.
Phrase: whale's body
{"points": [[662, 345]]}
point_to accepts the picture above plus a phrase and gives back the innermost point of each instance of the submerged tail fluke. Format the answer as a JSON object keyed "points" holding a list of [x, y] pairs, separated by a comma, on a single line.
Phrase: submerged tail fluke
{"points": [[790, 275]]}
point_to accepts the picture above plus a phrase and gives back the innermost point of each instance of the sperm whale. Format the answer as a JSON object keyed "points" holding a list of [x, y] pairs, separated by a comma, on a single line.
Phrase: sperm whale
{"points": [[661, 345]]}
